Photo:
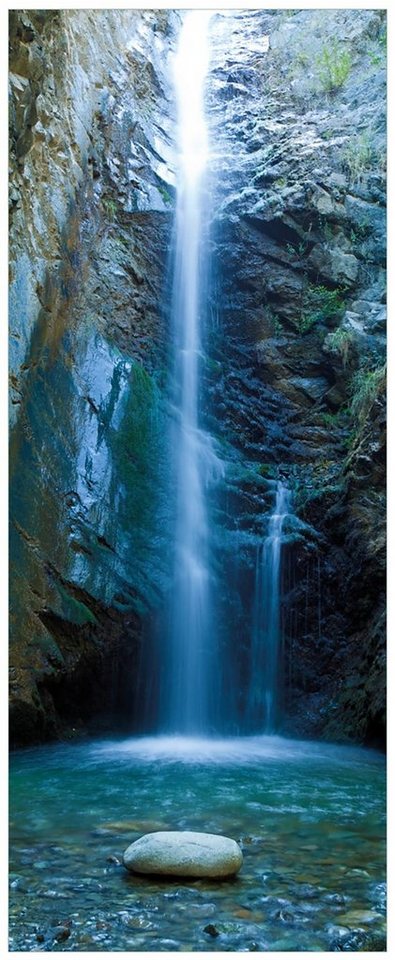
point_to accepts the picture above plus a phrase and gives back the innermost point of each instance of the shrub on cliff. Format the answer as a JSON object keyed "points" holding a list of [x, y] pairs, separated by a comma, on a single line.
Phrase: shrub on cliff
{"points": [[319, 306], [366, 387], [333, 66]]}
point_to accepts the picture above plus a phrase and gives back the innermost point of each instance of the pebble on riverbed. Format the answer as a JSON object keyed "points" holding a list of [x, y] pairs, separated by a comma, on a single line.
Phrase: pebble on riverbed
{"points": [[56, 934], [211, 930], [184, 854]]}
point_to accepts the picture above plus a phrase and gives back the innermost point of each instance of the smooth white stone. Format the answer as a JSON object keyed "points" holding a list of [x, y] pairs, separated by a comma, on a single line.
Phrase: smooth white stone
{"points": [[184, 854]]}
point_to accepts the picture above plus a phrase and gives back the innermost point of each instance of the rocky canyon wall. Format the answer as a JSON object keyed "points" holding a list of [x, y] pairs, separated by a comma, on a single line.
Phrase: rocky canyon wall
{"points": [[295, 335], [92, 120], [298, 113]]}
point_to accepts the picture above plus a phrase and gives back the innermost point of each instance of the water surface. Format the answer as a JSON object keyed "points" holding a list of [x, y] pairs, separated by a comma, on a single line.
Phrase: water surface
{"points": [[309, 818]]}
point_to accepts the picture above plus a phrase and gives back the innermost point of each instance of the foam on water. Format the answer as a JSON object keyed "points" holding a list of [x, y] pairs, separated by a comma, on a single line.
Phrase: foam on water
{"points": [[238, 750]]}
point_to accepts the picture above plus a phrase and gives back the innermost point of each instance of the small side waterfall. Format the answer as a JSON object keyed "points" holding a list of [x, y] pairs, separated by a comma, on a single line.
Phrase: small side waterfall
{"points": [[262, 704], [188, 699]]}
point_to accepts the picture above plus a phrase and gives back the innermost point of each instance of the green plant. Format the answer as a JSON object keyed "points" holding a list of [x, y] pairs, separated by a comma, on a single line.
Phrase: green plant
{"points": [[377, 53], [336, 418], [297, 250], [340, 343], [351, 438], [382, 40], [358, 155], [319, 305], [110, 207], [333, 66], [302, 59], [375, 57], [307, 321], [360, 231], [365, 388], [274, 323]]}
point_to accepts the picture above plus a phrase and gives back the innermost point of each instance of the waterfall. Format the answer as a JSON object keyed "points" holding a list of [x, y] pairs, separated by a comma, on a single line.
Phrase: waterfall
{"points": [[196, 689], [262, 704], [189, 699]]}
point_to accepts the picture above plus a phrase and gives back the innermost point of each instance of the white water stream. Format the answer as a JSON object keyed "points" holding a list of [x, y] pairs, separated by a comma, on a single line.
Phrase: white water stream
{"points": [[192, 678], [266, 635], [188, 700]]}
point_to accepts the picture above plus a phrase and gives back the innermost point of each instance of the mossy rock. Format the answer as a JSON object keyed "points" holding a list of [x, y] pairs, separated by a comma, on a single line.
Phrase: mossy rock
{"points": [[74, 610]]}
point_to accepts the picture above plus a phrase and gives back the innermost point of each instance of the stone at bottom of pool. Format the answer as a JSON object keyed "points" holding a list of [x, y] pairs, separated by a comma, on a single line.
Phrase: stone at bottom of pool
{"points": [[184, 853]]}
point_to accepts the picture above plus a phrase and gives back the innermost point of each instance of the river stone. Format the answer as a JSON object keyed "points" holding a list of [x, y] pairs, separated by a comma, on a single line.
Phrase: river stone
{"points": [[184, 854]]}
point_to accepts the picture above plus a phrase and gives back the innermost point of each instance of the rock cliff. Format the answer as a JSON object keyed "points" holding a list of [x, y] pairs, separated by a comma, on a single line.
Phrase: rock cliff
{"points": [[298, 197], [295, 381], [91, 195]]}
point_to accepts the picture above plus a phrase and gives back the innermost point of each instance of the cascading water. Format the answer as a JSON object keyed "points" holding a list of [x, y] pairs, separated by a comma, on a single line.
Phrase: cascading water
{"points": [[190, 686], [188, 697], [262, 704]]}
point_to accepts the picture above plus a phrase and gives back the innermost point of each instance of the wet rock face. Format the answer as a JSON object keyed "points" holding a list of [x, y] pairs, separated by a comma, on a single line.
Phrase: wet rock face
{"points": [[298, 237], [90, 132], [91, 210]]}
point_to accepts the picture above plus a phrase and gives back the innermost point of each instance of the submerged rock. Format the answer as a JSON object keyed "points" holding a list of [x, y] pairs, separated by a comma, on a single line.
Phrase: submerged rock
{"points": [[185, 854]]}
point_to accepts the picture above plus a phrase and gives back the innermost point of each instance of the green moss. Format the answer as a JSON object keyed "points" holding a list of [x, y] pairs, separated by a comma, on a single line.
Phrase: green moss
{"points": [[267, 470], [137, 448], [133, 440], [74, 610], [164, 194], [214, 367], [317, 491]]}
